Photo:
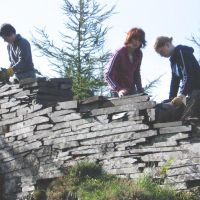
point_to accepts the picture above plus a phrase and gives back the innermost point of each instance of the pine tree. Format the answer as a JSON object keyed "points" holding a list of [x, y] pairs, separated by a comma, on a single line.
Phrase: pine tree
{"points": [[82, 56]]}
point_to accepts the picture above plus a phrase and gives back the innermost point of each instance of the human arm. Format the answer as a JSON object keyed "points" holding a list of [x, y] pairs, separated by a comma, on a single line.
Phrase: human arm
{"points": [[111, 73], [137, 75], [189, 65], [174, 86], [20, 56]]}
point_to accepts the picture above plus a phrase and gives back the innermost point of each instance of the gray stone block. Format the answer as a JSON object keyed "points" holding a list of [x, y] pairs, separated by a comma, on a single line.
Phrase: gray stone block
{"points": [[190, 169], [27, 147], [102, 119], [193, 148], [164, 156], [43, 151], [25, 136], [109, 139], [10, 92], [4, 100], [3, 111], [8, 116], [118, 162], [4, 88], [88, 151], [59, 140], [69, 117], [11, 121], [84, 126], [109, 132], [44, 126], [178, 136], [29, 122], [26, 110], [183, 178], [60, 113], [19, 107], [128, 107], [59, 133], [61, 125], [66, 145], [123, 137], [124, 145], [176, 129], [22, 94], [68, 105], [5, 153], [12, 165], [38, 113], [154, 149], [20, 131], [165, 144], [39, 135], [168, 124], [112, 125], [81, 122], [48, 174], [182, 162], [9, 104], [123, 101], [117, 109], [131, 170]]}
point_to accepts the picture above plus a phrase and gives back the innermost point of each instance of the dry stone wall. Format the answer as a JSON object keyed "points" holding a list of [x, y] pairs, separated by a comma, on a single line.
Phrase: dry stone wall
{"points": [[40, 139]]}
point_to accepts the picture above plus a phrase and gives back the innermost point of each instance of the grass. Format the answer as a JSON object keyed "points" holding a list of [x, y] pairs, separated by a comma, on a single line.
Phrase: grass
{"points": [[87, 181]]}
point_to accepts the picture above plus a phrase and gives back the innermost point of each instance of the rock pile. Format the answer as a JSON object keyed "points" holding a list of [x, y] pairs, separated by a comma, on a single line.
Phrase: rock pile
{"points": [[41, 137]]}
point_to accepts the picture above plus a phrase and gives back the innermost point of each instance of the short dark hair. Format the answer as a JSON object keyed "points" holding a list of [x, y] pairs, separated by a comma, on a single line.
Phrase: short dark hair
{"points": [[7, 30]]}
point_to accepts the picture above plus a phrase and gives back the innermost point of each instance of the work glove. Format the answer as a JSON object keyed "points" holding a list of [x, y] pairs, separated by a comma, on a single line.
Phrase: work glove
{"points": [[179, 100], [10, 72]]}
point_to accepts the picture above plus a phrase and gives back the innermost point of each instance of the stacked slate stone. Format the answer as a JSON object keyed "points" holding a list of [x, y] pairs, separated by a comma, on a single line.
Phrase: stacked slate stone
{"points": [[37, 143], [54, 90], [43, 91], [130, 143]]}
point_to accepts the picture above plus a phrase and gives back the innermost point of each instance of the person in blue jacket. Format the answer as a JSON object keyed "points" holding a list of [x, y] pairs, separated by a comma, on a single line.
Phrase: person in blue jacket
{"points": [[184, 67], [19, 51]]}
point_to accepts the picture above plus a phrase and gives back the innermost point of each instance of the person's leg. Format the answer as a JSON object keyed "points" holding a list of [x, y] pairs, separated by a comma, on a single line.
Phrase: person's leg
{"points": [[26, 78]]}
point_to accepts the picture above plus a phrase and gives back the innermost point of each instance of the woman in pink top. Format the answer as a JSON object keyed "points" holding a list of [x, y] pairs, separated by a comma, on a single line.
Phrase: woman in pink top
{"points": [[123, 73]]}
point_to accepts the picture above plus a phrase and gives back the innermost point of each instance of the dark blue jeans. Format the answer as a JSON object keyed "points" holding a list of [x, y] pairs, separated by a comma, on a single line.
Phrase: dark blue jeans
{"points": [[30, 74]]}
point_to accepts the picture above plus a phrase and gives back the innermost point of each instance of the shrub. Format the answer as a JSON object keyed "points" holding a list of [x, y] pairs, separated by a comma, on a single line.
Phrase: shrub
{"points": [[87, 181]]}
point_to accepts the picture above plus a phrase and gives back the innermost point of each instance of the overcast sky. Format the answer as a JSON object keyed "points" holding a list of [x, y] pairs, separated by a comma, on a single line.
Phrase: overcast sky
{"points": [[179, 19]]}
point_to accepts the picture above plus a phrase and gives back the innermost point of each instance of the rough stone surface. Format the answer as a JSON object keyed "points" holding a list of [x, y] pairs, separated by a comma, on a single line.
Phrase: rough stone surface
{"points": [[39, 137]]}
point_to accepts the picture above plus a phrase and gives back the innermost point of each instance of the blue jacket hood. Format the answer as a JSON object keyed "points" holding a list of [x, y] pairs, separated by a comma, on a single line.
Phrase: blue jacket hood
{"points": [[184, 49]]}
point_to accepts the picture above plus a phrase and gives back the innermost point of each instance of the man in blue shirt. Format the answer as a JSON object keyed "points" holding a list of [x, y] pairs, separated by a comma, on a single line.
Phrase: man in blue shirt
{"points": [[19, 51]]}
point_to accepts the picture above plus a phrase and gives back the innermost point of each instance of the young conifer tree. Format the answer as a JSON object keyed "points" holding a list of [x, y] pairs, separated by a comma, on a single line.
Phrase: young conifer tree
{"points": [[82, 56]]}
